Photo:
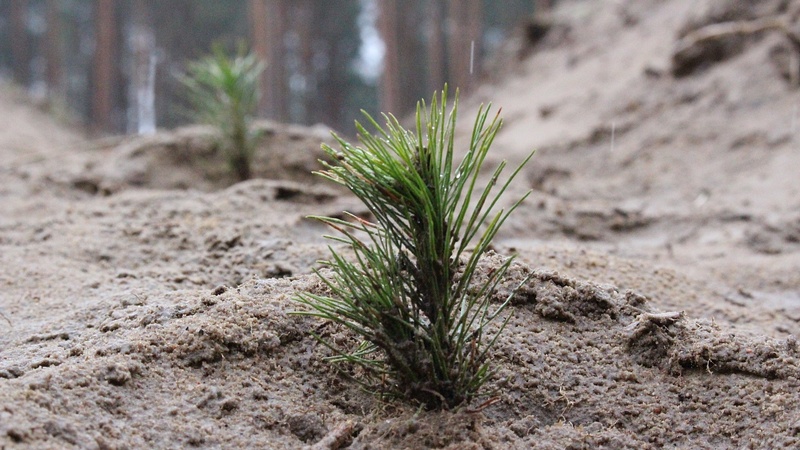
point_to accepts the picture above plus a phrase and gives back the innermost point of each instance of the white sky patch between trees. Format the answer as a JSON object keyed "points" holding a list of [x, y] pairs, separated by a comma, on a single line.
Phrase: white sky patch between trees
{"points": [[369, 64]]}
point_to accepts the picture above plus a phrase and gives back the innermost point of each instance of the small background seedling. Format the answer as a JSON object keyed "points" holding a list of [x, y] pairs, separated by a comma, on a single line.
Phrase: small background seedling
{"points": [[223, 92]]}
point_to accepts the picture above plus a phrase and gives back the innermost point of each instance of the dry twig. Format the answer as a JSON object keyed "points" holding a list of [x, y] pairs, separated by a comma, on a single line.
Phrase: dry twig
{"points": [[336, 438]]}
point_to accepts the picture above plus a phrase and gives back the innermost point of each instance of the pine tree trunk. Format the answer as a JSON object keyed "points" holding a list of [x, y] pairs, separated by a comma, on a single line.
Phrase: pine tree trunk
{"points": [[103, 72], [475, 36], [304, 26], [53, 51], [436, 52], [260, 46], [280, 80], [390, 95], [268, 28], [411, 53], [464, 39], [20, 50]]}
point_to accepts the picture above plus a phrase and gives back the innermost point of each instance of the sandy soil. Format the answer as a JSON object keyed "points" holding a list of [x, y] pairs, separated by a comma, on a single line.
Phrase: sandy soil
{"points": [[144, 299]]}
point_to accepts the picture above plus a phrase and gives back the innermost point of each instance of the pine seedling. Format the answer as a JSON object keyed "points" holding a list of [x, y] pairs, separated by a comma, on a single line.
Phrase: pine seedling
{"points": [[223, 92], [406, 286]]}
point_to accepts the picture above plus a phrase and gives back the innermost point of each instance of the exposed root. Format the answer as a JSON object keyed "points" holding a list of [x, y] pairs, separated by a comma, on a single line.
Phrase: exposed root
{"points": [[337, 438], [708, 43], [643, 322], [716, 31]]}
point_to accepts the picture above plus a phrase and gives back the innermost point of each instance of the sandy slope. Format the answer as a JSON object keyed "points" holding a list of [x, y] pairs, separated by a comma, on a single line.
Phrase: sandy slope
{"points": [[662, 236]]}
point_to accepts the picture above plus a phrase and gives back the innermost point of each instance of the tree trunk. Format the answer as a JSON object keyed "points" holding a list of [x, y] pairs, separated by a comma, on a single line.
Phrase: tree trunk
{"points": [[103, 72], [279, 79], [411, 53], [53, 51], [390, 95], [268, 28], [464, 33], [336, 44], [260, 46], [20, 50], [436, 52], [475, 36], [304, 26]]}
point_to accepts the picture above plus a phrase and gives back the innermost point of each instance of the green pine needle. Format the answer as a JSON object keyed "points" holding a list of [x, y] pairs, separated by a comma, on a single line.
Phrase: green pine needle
{"points": [[408, 290]]}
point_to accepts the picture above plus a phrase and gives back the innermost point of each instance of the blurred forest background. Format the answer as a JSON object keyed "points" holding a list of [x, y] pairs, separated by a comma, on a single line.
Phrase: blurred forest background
{"points": [[113, 65]]}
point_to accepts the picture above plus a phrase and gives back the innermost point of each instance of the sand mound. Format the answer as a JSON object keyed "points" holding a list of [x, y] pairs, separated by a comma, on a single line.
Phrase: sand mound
{"points": [[190, 157]]}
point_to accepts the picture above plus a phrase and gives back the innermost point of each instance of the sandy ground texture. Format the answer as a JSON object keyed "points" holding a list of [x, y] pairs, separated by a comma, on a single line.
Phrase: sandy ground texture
{"points": [[144, 298]]}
